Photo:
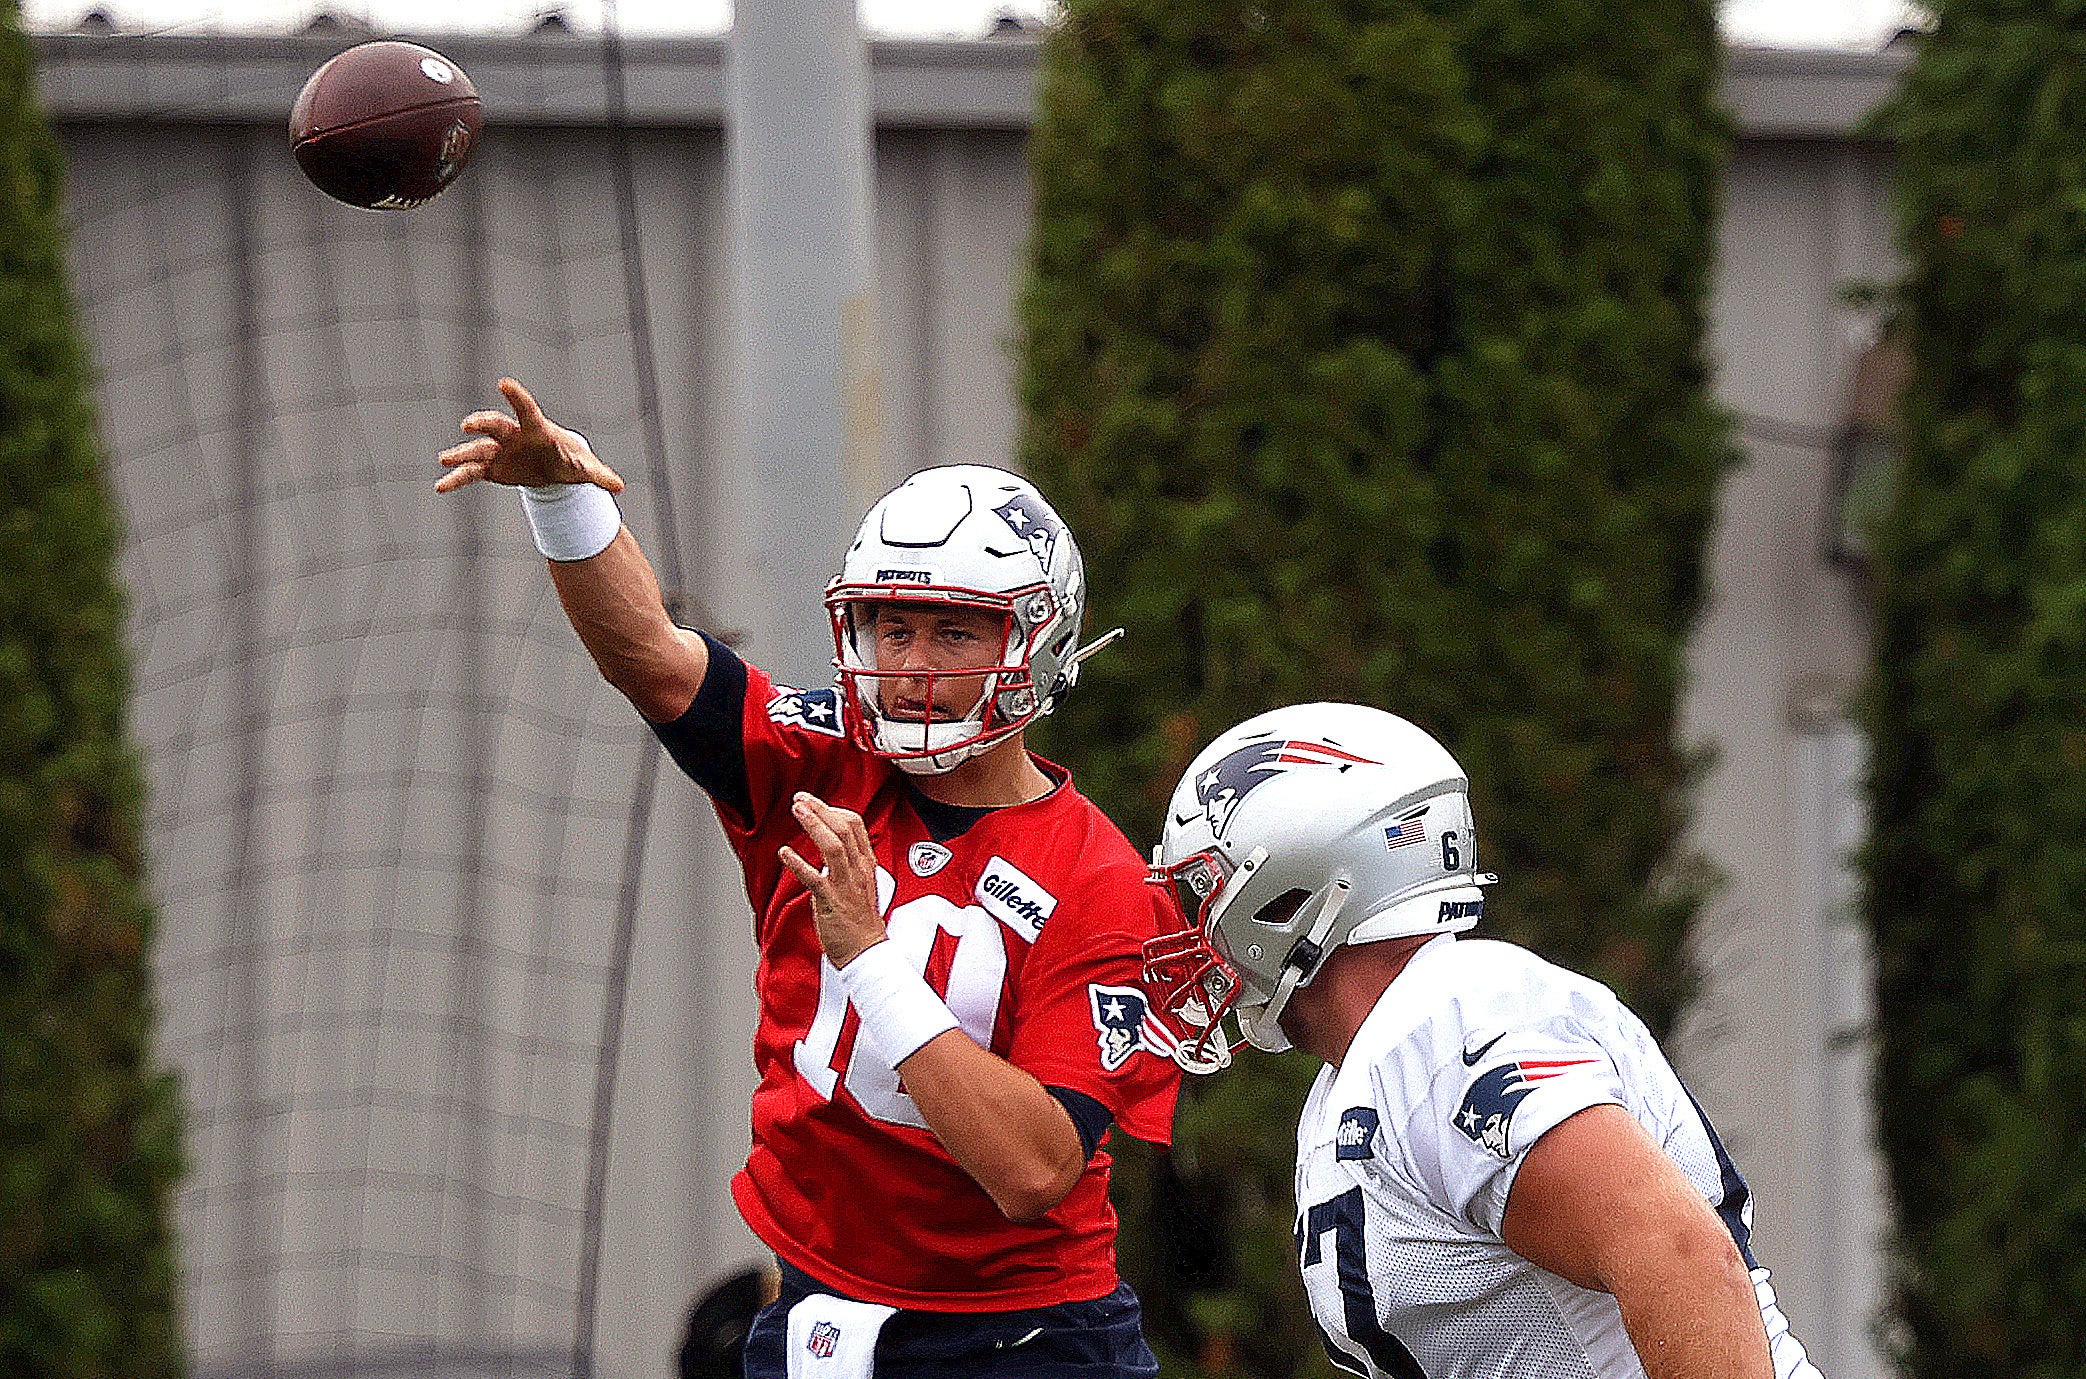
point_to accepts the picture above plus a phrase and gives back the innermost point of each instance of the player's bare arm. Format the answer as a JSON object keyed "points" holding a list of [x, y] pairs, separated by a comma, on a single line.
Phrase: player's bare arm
{"points": [[997, 1121], [1598, 1203], [612, 598]]}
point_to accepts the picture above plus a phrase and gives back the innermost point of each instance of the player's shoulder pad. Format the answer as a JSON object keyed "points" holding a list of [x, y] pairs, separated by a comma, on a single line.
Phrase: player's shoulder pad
{"points": [[1484, 982], [1475, 998], [814, 711], [1525, 1025], [1452, 985]]}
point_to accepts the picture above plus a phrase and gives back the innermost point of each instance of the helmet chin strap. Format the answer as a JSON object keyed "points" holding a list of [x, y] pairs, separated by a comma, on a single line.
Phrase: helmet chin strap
{"points": [[1260, 1031], [940, 764], [1303, 961], [1215, 1058], [936, 763]]}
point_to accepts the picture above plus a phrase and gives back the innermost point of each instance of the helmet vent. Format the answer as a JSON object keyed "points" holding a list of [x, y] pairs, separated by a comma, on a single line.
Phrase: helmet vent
{"points": [[1281, 909]]}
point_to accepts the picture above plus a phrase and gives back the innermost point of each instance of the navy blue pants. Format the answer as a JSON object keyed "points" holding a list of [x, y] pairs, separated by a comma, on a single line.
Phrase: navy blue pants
{"points": [[1102, 1339]]}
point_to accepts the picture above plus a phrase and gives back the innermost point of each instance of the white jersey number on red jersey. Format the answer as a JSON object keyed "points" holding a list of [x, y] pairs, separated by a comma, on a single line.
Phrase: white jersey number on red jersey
{"points": [[932, 933]]}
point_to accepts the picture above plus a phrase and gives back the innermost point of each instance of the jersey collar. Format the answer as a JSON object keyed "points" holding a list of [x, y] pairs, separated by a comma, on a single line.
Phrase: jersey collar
{"points": [[948, 821], [1401, 1008]]}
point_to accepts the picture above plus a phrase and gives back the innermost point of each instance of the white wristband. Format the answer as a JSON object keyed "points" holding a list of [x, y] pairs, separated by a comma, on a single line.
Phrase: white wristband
{"points": [[571, 521], [899, 1010]]}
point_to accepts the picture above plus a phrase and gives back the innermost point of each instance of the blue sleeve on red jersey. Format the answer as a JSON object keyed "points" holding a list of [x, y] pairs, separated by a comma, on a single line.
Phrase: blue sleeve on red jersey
{"points": [[708, 742], [1089, 1117]]}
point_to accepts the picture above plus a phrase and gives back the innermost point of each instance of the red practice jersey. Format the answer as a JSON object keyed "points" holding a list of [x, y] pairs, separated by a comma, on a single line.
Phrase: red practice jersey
{"points": [[1029, 921]]}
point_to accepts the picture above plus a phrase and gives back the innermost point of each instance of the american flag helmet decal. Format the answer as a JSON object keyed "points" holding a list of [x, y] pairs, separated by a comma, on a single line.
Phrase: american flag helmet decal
{"points": [[1407, 831]]}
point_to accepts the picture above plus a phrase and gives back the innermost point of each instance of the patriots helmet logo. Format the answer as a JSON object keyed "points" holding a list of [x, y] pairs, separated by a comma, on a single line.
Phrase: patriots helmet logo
{"points": [[1221, 787], [1033, 523], [1487, 1112]]}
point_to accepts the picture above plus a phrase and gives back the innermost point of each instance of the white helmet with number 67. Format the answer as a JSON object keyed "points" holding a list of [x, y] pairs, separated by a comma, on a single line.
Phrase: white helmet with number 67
{"points": [[973, 537], [1293, 833]]}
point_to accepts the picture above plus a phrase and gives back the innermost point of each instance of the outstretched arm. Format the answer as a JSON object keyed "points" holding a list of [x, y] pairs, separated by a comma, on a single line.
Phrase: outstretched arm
{"points": [[612, 597], [1013, 1137], [1598, 1203]]}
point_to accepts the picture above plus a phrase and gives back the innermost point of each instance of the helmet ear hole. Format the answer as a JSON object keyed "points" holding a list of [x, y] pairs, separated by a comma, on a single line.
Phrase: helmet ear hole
{"points": [[1281, 909]]}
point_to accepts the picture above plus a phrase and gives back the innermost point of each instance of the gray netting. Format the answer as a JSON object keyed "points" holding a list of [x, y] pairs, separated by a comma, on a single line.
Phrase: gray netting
{"points": [[391, 800]]}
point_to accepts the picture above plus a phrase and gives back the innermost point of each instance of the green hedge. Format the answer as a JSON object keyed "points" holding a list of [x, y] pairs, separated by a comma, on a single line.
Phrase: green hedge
{"points": [[1363, 351], [89, 1139], [1977, 860]]}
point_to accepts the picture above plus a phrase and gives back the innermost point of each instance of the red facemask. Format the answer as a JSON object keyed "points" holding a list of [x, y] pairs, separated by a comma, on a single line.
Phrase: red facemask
{"points": [[1190, 984], [1008, 679]]}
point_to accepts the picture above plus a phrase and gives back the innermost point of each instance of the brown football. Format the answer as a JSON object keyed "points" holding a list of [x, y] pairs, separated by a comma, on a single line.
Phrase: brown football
{"points": [[385, 125]]}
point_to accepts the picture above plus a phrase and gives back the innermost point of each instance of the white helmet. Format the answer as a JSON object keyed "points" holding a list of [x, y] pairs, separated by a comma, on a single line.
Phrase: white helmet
{"points": [[973, 537], [1295, 832]]}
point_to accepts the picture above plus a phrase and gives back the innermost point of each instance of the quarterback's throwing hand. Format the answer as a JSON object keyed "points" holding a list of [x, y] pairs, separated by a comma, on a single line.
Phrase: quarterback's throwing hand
{"points": [[843, 895], [526, 448]]}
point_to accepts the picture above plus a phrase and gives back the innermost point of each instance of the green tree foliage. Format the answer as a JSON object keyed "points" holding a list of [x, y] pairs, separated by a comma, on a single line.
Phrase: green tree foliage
{"points": [[1977, 860], [1363, 350], [89, 1142]]}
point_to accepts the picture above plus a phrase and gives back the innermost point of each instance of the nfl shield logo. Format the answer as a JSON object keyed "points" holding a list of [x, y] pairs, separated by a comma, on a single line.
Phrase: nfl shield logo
{"points": [[824, 1337], [927, 858]]}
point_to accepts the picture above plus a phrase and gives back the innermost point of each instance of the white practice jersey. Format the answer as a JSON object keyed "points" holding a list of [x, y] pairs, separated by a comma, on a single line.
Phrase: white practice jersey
{"points": [[1406, 1152]]}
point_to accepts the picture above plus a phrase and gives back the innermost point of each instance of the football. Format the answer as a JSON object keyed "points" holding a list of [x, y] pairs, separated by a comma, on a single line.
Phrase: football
{"points": [[385, 125]]}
